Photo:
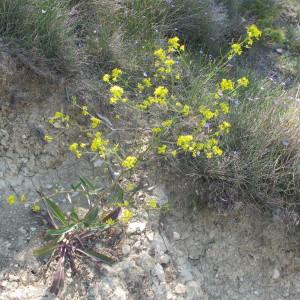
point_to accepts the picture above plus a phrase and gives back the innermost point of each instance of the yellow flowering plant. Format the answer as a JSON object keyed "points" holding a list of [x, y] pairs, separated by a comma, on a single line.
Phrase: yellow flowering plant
{"points": [[178, 124]]}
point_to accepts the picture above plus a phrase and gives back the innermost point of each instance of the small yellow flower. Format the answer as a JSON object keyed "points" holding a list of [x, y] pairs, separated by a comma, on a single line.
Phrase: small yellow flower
{"points": [[174, 153], [95, 122], [23, 198], [160, 53], [117, 91], [156, 130], [169, 62], [126, 216], [182, 48], [244, 81], [152, 203], [116, 73], [11, 199], [225, 126], [209, 155], [99, 144], [73, 147], [129, 162], [36, 208], [48, 138], [206, 112], [217, 150], [147, 82], [177, 76], [227, 85], [253, 32], [58, 115], [84, 110], [225, 107], [186, 110], [167, 123], [162, 149], [106, 78], [173, 44], [236, 49], [184, 141], [82, 145], [140, 87], [110, 222], [161, 91]]}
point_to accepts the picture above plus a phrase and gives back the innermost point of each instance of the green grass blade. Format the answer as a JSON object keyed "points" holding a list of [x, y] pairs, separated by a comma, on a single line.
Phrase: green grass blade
{"points": [[91, 216], [46, 250], [55, 211]]}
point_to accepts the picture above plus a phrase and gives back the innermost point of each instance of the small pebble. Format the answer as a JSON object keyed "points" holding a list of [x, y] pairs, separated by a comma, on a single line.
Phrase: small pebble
{"points": [[126, 249], [176, 236], [180, 289]]}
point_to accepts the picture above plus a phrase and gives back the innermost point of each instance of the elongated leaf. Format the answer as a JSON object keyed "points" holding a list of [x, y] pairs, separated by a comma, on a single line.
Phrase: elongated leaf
{"points": [[95, 256], [62, 230], [91, 216], [99, 226], [58, 277], [86, 183], [46, 250], [74, 215], [117, 194], [55, 211], [75, 186]]}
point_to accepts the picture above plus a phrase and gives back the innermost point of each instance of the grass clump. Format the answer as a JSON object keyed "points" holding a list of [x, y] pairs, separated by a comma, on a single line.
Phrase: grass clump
{"points": [[43, 27]]}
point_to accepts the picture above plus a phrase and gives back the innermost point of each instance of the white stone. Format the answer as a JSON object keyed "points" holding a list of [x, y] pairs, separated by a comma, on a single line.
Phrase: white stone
{"points": [[180, 289], [125, 249], [150, 235], [159, 272], [276, 274], [136, 227], [98, 163], [176, 236], [164, 259]]}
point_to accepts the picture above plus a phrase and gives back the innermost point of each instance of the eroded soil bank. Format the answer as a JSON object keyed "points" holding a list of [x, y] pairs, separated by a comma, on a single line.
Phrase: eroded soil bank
{"points": [[183, 255]]}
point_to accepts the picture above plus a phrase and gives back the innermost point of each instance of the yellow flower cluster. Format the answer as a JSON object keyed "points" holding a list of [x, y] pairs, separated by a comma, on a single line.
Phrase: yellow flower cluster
{"points": [[59, 116], [174, 45], [11, 199], [75, 148], [48, 138], [95, 122], [126, 216], [252, 33], [206, 112], [244, 81], [162, 149], [185, 142], [129, 162], [99, 144], [225, 126], [114, 76], [227, 85], [236, 49], [117, 93]]}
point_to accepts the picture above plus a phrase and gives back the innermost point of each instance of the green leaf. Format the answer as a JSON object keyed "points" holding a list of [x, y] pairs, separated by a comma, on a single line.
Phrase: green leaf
{"points": [[46, 250], [75, 187], [86, 183], [61, 231], [74, 216], [97, 256], [99, 226], [91, 216], [117, 194], [55, 211]]}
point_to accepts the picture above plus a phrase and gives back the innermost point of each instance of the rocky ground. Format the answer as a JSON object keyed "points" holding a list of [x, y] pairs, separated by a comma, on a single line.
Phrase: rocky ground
{"points": [[181, 255]]}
